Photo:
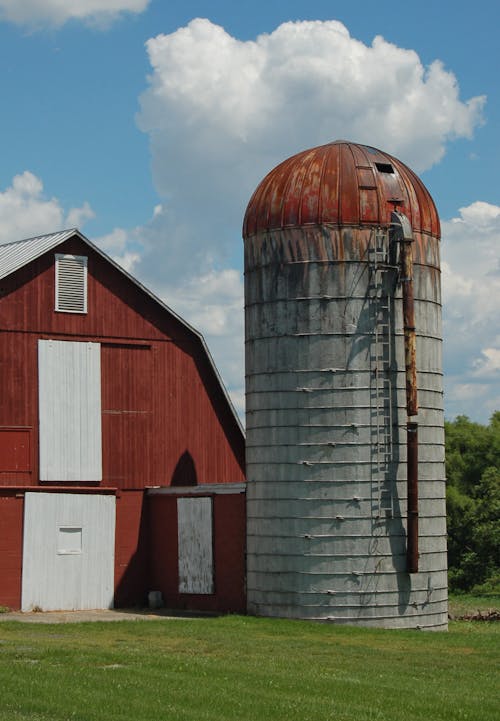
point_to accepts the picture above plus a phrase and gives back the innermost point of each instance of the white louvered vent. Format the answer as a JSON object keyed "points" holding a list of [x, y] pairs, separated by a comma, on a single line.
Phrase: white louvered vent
{"points": [[71, 283]]}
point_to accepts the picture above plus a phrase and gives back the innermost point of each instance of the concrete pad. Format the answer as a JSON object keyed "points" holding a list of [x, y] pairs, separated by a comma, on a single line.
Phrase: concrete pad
{"points": [[105, 615]]}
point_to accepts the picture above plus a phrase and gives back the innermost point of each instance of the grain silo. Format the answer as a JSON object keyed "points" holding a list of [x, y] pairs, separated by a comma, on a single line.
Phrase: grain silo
{"points": [[345, 438]]}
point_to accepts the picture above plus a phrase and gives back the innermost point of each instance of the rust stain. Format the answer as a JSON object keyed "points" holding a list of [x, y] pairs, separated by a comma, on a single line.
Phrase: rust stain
{"points": [[342, 184], [409, 327]]}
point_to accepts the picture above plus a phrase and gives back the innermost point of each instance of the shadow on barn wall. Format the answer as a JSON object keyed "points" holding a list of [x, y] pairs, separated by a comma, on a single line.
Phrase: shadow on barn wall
{"points": [[147, 545], [185, 471]]}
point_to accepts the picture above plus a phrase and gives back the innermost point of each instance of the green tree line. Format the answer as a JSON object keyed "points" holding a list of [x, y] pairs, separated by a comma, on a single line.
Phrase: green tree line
{"points": [[473, 504]]}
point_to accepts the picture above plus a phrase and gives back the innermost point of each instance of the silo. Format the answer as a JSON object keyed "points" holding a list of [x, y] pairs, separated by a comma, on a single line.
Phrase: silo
{"points": [[346, 515]]}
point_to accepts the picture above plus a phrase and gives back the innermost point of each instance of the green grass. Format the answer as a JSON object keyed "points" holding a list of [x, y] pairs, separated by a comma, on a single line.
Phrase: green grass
{"points": [[246, 669]]}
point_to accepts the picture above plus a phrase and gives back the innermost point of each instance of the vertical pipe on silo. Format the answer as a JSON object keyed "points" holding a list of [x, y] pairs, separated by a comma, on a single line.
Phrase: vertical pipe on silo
{"points": [[406, 258], [411, 402], [409, 325], [412, 483]]}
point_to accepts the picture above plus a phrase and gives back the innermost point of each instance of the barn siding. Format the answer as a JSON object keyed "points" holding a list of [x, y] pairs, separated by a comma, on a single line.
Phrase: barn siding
{"points": [[131, 550], [229, 554], [11, 545], [19, 400], [230, 551], [146, 551], [128, 415], [15, 450]]}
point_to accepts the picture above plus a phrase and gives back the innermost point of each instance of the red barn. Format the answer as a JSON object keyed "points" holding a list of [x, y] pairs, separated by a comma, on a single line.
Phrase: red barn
{"points": [[121, 457]]}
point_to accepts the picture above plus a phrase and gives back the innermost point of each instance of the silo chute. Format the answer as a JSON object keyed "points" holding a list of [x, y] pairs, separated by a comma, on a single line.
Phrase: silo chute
{"points": [[403, 234]]}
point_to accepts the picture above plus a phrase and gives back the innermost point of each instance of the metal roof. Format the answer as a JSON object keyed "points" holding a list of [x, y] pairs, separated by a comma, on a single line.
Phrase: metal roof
{"points": [[14, 256]]}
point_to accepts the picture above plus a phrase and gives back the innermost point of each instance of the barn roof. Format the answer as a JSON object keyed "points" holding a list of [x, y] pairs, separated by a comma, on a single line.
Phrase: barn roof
{"points": [[16, 255]]}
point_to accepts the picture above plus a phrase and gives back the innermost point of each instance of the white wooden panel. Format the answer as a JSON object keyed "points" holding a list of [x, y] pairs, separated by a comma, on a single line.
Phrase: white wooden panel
{"points": [[68, 552], [196, 567], [69, 376]]}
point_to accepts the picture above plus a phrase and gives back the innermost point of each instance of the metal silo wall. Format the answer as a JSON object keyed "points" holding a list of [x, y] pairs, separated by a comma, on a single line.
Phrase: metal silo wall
{"points": [[326, 432]]}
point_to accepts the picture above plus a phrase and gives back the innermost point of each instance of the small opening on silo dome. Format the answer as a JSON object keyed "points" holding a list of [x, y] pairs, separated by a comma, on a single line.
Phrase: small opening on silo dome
{"points": [[384, 168]]}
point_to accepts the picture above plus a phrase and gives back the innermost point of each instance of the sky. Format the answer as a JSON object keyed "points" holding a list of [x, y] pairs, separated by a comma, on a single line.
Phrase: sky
{"points": [[148, 124]]}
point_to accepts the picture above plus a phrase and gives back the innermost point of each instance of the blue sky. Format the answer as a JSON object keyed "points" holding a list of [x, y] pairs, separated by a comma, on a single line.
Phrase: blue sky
{"points": [[148, 128]]}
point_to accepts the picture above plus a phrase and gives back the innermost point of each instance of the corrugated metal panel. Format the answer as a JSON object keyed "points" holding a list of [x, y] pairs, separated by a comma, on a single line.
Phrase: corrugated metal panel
{"points": [[68, 559], [15, 255], [196, 568], [70, 411]]}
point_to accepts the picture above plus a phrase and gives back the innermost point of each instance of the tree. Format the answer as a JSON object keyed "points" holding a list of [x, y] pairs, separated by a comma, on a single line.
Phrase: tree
{"points": [[473, 503]]}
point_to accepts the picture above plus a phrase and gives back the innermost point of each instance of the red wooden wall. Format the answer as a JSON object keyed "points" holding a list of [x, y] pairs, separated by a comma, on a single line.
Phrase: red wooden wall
{"points": [[165, 419], [161, 400], [131, 550], [146, 551], [11, 548], [229, 530]]}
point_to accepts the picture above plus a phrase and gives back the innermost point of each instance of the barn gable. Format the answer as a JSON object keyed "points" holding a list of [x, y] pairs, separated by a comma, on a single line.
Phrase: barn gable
{"points": [[158, 378]]}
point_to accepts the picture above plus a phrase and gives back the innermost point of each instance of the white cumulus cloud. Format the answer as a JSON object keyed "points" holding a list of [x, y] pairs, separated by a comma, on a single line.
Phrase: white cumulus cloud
{"points": [[221, 112], [119, 245], [25, 211], [471, 299], [489, 363], [38, 13], [213, 303]]}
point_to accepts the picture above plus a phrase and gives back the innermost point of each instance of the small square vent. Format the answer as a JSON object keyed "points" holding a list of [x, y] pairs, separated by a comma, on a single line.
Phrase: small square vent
{"points": [[385, 168], [71, 283], [69, 540]]}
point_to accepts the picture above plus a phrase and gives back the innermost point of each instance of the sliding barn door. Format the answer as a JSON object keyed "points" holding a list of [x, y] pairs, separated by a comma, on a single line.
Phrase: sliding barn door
{"points": [[68, 551]]}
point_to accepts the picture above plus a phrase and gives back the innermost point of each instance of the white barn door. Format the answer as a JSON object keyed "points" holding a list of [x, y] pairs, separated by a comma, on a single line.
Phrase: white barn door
{"points": [[68, 551], [196, 566], [69, 383]]}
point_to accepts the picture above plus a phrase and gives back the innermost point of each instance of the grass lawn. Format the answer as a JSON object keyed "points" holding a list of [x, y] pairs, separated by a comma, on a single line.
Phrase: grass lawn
{"points": [[237, 669]]}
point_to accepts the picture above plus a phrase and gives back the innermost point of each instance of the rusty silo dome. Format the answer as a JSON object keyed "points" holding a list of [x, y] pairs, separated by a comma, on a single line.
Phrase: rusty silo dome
{"points": [[340, 183]]}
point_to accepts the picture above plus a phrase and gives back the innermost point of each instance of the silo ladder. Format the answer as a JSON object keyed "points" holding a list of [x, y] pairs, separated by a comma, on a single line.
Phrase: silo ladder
{"points": [[380, 377]]}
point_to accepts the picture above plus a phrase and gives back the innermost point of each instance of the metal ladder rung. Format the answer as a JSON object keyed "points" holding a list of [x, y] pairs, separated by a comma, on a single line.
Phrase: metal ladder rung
{"points": [[380, 360]]}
